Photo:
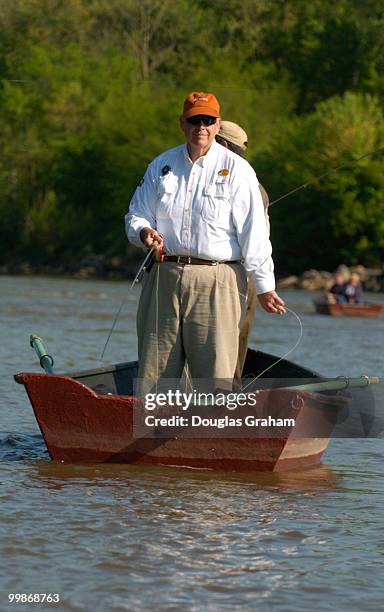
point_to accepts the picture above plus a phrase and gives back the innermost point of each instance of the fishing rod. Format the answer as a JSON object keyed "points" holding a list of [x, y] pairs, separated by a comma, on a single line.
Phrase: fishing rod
{"points": [[149, 256], [324, 174], [146, 265]]}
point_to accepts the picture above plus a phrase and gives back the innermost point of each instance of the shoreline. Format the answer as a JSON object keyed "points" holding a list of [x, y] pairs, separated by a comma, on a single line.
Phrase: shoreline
{"points": [[95, 267]]}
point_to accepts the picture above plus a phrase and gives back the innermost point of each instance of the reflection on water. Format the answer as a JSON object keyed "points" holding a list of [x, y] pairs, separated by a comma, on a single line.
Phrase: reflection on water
{"points": [[23, 446], [115, 537], [55, 474]]}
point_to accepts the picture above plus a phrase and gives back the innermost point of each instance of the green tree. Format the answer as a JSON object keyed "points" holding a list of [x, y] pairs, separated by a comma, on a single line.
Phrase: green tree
{"points": [[325, 47], [342, 216], [91, 91]]}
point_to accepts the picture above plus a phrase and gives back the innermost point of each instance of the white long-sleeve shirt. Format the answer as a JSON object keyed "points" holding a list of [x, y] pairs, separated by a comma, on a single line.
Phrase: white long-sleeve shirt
{"points": [[211, 209]]}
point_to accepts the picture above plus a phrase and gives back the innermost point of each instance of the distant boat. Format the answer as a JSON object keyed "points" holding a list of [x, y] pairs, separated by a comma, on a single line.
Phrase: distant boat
{"points": [[349, 310], [88, 417]]}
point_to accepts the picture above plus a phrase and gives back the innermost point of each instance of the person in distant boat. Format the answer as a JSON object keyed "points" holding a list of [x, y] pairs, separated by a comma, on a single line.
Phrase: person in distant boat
{"points": [[234, 138], [354, 290], [199, 204], [336, 293]]}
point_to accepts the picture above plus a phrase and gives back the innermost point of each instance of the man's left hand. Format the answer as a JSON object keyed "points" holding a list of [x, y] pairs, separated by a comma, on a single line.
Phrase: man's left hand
{"points": [[271, 302]]}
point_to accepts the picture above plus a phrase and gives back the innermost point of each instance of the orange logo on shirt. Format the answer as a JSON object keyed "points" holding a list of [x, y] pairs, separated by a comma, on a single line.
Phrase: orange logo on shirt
{"points": [[224, 172]]}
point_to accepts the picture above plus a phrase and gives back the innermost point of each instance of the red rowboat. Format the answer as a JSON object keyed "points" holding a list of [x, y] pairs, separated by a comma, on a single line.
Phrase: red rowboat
{"points": [[89, 417], [349, 310]]}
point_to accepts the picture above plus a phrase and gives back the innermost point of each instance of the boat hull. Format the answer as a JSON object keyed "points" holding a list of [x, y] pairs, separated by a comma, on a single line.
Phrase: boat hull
{"points": [[79, 425], [349, 310]]}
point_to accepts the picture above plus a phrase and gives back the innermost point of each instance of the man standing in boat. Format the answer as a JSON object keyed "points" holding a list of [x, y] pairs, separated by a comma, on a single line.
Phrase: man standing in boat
{"points": [[200, 204], [233, 137]]}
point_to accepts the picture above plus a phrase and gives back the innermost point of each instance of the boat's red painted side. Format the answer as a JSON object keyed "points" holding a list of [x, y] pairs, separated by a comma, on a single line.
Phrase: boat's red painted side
{"points": [[80, 426], [349, 310]]}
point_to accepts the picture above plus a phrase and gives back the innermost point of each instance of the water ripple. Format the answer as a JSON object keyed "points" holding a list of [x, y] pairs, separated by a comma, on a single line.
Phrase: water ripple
{"points": [[115, 537]]}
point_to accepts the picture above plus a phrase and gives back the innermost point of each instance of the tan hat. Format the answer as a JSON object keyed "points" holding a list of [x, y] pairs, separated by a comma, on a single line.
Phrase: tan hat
{"points": [[233, 133]]}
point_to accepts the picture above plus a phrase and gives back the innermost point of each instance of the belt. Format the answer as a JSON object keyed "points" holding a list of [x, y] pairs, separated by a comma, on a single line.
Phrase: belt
{"points": [[185, 259]]}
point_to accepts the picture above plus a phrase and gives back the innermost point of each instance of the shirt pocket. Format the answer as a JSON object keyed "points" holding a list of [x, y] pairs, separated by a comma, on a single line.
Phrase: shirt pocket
{"points": [[216, 206], [166, 196]]}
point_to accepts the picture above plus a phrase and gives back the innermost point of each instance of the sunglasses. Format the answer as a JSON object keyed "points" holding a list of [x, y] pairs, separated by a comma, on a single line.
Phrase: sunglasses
{"points": [[204, 119]]}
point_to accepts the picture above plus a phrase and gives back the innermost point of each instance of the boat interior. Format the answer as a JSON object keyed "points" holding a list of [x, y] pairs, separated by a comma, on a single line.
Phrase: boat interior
{"points": [[119, 379]]}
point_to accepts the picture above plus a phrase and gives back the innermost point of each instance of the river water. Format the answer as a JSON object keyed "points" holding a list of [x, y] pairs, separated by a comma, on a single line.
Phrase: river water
{"points": [[107, 537]]}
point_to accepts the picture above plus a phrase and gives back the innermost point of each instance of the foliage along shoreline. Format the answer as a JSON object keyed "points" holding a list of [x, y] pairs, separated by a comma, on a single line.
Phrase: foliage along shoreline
{"points": [[99, 267], [91, 91]]}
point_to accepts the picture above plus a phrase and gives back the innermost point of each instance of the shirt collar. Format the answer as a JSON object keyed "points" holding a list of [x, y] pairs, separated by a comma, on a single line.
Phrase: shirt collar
{"points": [[186, 155], [204, 158]]}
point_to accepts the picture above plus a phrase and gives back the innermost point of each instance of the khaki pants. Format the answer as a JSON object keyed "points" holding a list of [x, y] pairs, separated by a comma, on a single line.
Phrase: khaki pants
{"points": [[246, 328], [190, 314]]}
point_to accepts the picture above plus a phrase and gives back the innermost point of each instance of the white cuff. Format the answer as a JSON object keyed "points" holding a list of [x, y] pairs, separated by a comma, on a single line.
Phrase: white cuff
{"points": [[264, 285]]}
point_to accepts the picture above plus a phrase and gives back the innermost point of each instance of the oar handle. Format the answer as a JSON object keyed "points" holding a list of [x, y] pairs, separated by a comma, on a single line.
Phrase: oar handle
{"points": [[46, 361], [338, 384]]}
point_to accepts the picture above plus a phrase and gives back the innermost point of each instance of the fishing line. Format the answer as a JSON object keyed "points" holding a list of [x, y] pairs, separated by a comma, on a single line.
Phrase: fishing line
{"points": [[188, 380], [185, 369], [303, 186], [186, 365], [113, 327], [241, 295], [138, 276], [272, 365], [324, 174], [157, 324]]}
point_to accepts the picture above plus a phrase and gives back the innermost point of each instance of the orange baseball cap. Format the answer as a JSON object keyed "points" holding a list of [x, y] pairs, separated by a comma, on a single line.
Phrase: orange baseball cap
{"points": [[201, 103]]}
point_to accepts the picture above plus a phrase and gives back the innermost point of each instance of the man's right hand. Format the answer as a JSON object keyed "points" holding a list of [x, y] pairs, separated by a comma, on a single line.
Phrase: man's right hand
{"points": [[151, 238]]}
